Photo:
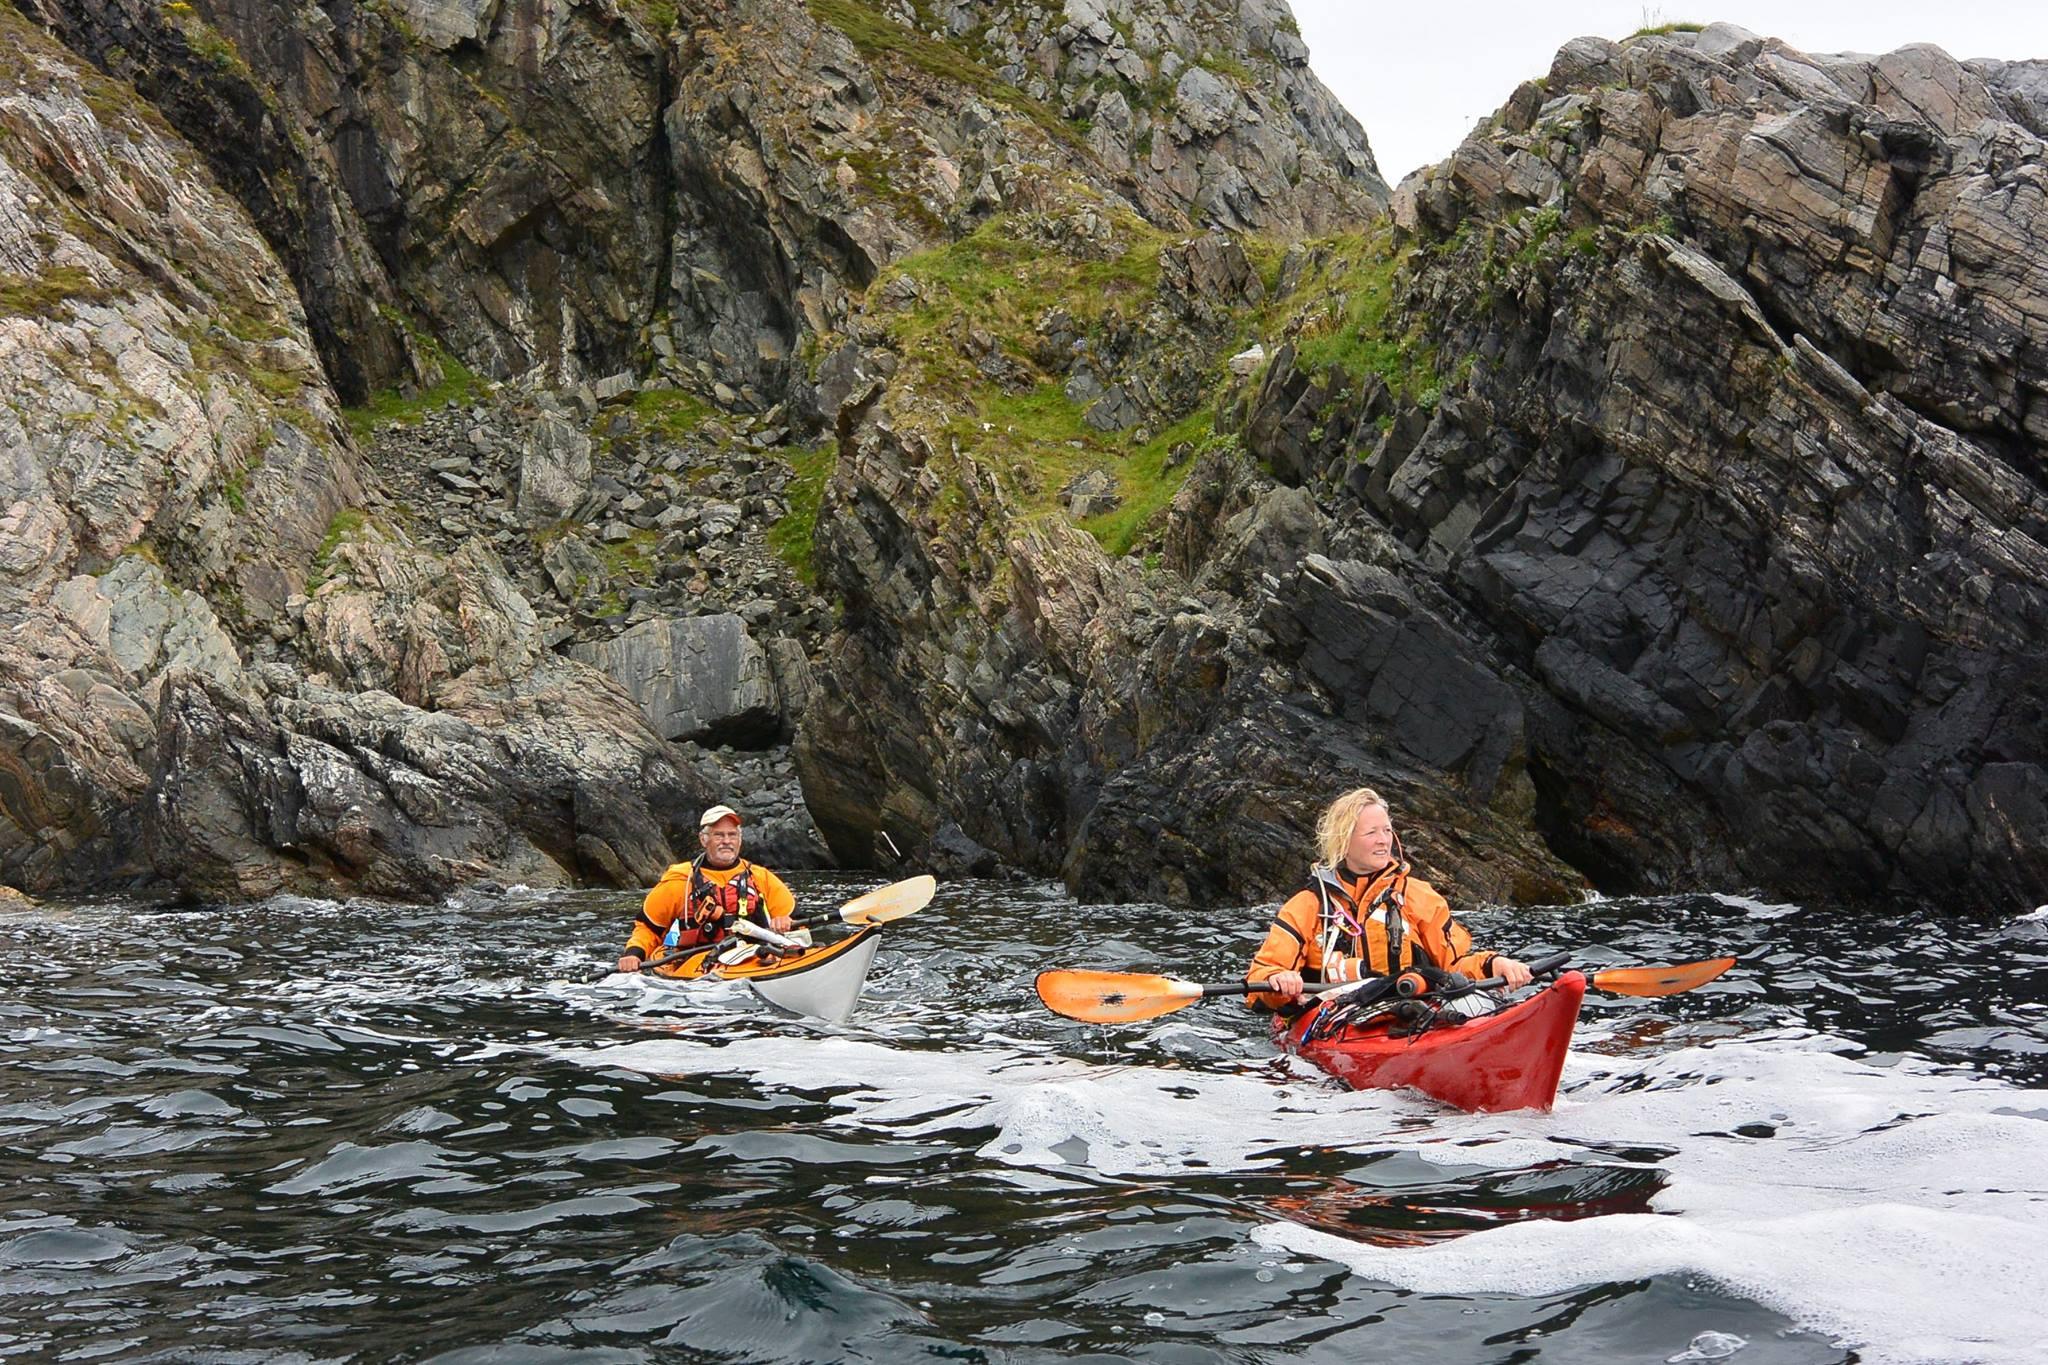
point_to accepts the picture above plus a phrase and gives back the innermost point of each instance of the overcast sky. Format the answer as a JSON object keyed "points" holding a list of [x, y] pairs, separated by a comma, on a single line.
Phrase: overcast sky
{"points": [[1419, 76]]}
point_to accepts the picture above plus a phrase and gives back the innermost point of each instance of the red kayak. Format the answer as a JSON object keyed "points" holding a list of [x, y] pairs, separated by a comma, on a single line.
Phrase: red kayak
{"points": [[1509, 1060]]}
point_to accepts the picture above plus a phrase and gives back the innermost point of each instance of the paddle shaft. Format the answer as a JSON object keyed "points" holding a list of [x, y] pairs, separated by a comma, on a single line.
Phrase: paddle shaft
{"points": [[1540, 967]]}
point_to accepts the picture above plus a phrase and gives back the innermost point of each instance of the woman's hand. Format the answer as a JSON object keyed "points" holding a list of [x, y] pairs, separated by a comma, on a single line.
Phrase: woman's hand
{"points": [[781, 924], [1284, 983], [1512, 972], [629, 963]]}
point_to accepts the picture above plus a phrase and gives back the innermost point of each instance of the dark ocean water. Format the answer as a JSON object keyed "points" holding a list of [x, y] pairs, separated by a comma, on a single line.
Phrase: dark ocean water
{"points": [[311, 1131]]}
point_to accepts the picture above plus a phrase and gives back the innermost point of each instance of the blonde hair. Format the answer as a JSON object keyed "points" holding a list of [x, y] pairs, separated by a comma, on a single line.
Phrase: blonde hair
{"points": [[1333, 831]]}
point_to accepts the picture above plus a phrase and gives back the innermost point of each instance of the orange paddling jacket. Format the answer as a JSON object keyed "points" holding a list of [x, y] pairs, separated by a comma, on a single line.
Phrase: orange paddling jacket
{"points": [[693, 905], [1338, 927]]}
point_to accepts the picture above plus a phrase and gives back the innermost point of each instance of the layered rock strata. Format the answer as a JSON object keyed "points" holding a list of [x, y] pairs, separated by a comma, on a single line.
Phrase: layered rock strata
{"points": [[180, 713], [1739, 456]]}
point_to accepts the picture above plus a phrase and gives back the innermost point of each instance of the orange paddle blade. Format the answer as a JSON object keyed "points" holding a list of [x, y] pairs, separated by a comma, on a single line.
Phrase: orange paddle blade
{"points": [[890, 902], [1661, 980], [1114, 997]]}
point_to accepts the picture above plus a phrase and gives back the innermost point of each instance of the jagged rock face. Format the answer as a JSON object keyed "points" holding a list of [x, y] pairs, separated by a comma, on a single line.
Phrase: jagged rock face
{"points": [[167, 436], [698, 678], [176, 713], [493, 170], [1698, 531], [546, 185], [1204, 105], [545, 781], [1747, 470], [1002, 687]]}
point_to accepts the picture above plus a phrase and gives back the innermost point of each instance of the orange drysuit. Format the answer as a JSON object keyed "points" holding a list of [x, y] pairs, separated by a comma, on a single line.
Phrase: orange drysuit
{"points": [[701, 902], [1337, 928]]}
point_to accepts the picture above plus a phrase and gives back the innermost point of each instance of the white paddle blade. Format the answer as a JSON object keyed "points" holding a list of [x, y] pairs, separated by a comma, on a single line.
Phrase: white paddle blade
{"points": [[890, 902]]}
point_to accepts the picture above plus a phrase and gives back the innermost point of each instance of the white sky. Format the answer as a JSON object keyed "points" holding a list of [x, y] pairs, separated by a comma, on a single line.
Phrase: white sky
{"points": [[1418, 76]]}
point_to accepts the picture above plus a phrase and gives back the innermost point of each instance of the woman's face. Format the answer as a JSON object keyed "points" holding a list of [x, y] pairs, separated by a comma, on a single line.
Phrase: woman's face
{"points": [[1372, 840]]}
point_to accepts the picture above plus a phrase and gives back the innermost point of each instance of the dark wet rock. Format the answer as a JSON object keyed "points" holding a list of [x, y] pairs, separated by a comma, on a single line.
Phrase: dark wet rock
{"points": [[1748, 479]]}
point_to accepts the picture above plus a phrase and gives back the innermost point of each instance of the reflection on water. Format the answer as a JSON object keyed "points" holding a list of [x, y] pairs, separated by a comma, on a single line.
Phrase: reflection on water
{"points": [[315, 1131]]}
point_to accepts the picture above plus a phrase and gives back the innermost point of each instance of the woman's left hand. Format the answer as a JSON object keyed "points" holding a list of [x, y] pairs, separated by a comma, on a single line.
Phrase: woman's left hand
{"points": [[1513, 972]]}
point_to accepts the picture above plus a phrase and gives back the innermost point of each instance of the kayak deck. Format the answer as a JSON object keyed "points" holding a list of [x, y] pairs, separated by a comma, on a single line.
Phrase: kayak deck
{"points": [[823, 982], [1511, 1059]]}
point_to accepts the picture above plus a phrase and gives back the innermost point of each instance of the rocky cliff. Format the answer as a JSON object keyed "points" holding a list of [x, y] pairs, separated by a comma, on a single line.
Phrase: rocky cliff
{"points": [[517, 630], [1664, 480], [1018, 429]]}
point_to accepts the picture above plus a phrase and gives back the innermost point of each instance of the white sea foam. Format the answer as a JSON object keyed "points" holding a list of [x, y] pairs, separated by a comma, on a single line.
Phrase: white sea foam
{"points": [[1757, 909], [1896, 1208]]}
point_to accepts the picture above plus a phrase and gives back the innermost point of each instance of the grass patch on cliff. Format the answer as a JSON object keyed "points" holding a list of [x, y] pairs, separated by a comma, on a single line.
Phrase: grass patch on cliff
{"points": [[986, 339], [346, 525], [1146, 483], [1661, 30], [396, 407], [1002, 283], [631, 558], [877, 38], [671, 414], [794, 536], [1356, 329], [41, 295]]}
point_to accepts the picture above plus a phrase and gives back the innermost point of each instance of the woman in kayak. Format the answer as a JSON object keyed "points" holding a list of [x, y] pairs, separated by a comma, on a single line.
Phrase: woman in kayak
{"points": [[696, 903], [1363, 914]]}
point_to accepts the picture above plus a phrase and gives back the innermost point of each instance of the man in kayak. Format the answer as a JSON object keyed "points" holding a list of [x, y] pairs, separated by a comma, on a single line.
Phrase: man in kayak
{"points": [[1363, 914], [695, 904]]}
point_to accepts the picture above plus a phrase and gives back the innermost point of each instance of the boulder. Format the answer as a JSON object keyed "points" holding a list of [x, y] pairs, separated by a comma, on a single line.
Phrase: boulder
{"points": [[554, 470], [700, 678]]}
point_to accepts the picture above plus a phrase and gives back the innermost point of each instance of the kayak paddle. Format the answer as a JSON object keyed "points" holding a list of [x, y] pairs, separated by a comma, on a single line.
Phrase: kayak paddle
{"points": [[1126, 997], [891, 902]]}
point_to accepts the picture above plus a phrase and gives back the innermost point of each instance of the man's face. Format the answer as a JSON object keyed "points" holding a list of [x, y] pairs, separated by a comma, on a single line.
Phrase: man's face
{"points": [[1372, 840], [721, 840]]}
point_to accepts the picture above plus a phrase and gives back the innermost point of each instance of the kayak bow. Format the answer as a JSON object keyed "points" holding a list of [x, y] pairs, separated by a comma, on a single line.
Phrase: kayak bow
{"points": [[823, 982], [1511, 1059]]}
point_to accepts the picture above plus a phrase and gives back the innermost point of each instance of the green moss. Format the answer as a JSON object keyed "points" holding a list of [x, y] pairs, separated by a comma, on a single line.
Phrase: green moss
{"points": [[1226, 65], [41, 295], [658, 15], [1146, 485], [235, 487], [793, 537], [345, 525], [881, 174], [1355, 332], [669, 413], [1542, 226], [1002, 284], [1659, 30], [394, 407]]}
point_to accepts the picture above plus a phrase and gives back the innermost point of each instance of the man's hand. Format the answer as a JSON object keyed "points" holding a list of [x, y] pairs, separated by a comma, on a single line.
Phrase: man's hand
{"points": [[1513, 972], [629, 963], [781, 924], [1284, 983]]}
